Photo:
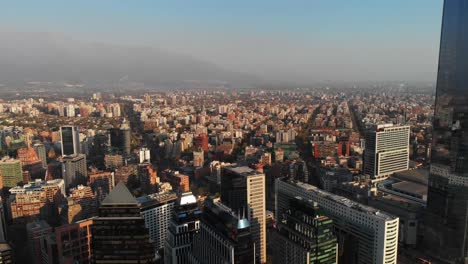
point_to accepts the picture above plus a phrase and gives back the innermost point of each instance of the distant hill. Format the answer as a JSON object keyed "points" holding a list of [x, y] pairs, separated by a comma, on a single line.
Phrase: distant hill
{"points": [[54, 57]]}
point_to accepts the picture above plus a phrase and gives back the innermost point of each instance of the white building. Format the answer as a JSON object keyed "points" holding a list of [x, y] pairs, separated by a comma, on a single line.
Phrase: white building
{"points": [[386, 150], [157, 211], [373, 234]]}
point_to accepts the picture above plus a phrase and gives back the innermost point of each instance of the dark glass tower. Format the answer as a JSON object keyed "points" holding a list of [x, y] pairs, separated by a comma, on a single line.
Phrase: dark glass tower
{"points": [[119, 234], [70, 140], [304, 235], [447, 221]]}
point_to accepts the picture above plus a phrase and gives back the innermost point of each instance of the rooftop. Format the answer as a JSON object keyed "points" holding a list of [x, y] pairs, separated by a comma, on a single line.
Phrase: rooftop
{"points": [[243, 170], [120, 195], [345, 201], [410, 187]]}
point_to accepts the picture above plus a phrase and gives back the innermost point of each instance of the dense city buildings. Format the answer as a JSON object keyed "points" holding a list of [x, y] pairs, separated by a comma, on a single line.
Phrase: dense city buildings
{"points": [[243, 189], [195, 171], [446, 228], [118, 233]]}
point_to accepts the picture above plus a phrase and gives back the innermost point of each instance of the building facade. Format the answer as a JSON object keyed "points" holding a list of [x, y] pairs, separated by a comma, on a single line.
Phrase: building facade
{"points": [[304, 235], [386, 150], [243, 188], [185, 223], [366, 235], [119, 234], [224, 237], [157, 210], [70, 140], [74, 170], [446, 228]]}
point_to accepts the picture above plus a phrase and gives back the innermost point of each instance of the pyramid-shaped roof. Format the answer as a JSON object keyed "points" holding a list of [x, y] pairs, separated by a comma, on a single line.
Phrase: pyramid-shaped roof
{"points": [[120, 195]]}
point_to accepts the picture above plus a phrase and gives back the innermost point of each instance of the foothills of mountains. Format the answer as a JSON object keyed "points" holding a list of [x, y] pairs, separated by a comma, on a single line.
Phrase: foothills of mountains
{"points": [[54, 57]]}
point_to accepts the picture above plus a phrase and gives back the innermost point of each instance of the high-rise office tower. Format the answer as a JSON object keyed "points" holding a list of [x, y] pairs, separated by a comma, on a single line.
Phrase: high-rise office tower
{"points": [[157, 211], [185, 223], [41, 153], [119, 234], [304, 235], [446, 223], [74, 170], [70, 137], [224, 236], [386, 150], [366, 235], [126, 136], [145, 155], [243, 188], [120, 138], [10, 172]]}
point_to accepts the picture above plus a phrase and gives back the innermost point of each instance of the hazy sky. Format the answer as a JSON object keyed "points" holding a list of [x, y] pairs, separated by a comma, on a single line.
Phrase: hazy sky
{"points": [[277, 40]]}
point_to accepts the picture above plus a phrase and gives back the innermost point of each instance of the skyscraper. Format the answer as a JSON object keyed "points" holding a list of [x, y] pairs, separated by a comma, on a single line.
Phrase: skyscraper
{"points": [[304, 235], [120, 138], [74, 170], [157, 210], [224, 236], [10, 172], [119, 234], [185, 223], [41, 153], [243, 188], [70, 140], [386, 150], [366, 235], [447, 203]]}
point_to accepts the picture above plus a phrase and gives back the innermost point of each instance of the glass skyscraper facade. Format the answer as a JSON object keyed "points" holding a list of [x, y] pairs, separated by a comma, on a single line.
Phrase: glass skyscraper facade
{"points": [[447, 220]]}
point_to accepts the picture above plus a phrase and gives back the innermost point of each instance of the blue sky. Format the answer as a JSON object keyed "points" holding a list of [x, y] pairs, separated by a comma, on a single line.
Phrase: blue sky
{"points": [[287, 40]]}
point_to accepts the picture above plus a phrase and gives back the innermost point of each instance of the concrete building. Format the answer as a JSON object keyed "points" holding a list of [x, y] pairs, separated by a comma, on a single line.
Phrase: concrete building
{"points": [[243, 188], [73, 242], [10, 172], [145, 155], [366, 235], [386, 150], [74, 170], [157, 210], [198, 158], [41, 153]]}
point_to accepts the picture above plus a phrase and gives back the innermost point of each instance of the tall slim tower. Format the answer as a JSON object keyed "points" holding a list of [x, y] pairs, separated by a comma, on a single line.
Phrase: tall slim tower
{"points": [[185, 223], [447, 203], [70, 140], [126, 137], [387, 150], [243, 188]]}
